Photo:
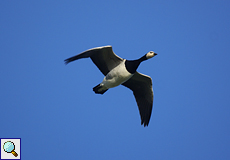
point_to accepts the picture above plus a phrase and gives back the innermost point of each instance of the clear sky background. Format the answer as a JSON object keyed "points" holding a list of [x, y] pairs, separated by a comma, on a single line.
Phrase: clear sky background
{"points": [[52, 108]]}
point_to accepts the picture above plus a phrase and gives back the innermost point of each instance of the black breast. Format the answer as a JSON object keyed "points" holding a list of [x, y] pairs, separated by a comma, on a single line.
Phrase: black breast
{"points": [[132, 66]]}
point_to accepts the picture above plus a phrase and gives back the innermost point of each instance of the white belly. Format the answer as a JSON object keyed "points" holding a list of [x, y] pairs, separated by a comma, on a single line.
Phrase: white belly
{"points": [[116, 76]]}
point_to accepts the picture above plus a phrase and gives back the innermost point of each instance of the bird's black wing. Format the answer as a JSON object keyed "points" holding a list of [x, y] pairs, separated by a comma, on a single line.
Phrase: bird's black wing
{"points": [[103, 57], [141, 85]]}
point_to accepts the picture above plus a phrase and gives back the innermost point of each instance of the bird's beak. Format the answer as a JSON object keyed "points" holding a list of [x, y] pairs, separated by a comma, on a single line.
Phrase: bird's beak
{"points": [[155, 54]]}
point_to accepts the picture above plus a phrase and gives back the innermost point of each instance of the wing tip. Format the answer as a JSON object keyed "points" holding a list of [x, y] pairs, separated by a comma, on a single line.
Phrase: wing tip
{"points": [[145, 123], [66, 61]]}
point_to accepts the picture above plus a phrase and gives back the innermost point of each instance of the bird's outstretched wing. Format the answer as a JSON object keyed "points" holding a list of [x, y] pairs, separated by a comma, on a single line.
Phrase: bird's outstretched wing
{"points": [[103, 57], [141, 85]]}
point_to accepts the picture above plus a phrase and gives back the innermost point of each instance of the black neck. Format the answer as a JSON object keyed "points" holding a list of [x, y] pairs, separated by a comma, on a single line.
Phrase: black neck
{"points": [[132, 65], [143, 58]]}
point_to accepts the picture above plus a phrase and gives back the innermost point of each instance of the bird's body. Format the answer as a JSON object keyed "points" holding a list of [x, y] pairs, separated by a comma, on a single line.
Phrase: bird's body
{"points": [[121, 71], [114, 78]]}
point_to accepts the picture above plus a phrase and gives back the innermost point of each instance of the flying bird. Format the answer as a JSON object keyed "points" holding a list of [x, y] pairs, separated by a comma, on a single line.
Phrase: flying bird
{"points": [[121, 71]]}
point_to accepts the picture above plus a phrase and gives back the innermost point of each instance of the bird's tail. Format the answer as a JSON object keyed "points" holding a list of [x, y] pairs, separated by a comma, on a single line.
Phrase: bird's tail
{"points": [[99, 87]]}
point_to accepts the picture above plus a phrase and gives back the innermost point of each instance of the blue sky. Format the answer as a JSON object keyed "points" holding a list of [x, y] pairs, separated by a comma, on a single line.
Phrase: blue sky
{"points": [[52, 108]]}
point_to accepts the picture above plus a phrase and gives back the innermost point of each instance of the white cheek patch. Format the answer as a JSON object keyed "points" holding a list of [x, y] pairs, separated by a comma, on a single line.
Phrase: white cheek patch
{"points": [[149, 55]]}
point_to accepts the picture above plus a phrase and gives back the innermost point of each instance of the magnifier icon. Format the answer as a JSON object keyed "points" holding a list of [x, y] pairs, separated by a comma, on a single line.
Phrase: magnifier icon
{"points": [[9, 147]]}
